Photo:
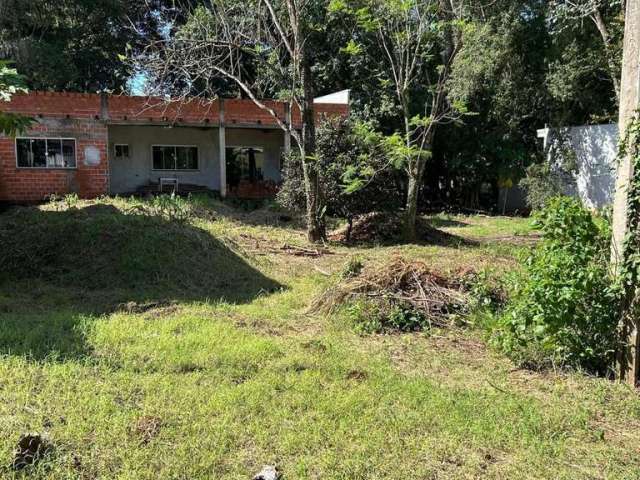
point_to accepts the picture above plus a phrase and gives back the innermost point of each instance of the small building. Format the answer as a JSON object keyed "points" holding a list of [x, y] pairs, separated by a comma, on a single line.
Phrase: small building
{"points": [[98, 144]]}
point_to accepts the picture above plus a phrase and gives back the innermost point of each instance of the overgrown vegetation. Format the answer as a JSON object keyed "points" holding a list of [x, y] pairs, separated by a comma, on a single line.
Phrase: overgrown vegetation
{"points": [[565, 306], [356, 171], [145, 348]]}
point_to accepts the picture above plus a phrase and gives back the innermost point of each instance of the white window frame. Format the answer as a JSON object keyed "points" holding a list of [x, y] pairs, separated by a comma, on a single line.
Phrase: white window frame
{"points": [[176, 169], [115, 149], [75, 153]]}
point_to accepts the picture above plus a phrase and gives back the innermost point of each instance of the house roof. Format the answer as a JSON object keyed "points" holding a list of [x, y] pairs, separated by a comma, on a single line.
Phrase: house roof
{"points": [[123, 109]]}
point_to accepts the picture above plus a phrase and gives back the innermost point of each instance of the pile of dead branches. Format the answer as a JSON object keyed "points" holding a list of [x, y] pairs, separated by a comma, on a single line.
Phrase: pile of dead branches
{"points": [[408, 284]]}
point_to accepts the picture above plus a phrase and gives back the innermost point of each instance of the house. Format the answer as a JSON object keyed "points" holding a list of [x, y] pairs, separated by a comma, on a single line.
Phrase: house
{"points": [[590, 153], [97, 144]]}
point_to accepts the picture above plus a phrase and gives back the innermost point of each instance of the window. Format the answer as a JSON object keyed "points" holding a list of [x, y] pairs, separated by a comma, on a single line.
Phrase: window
{"points": [[244, 163], [122, 151], [46, 152], [168, 157]]}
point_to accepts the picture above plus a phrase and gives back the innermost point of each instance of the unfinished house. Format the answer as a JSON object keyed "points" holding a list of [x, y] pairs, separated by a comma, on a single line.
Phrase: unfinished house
{"points": [[94, 145]]}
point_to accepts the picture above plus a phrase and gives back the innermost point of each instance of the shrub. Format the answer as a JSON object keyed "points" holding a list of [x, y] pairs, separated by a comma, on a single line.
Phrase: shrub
{"points": [[564, 308], [352, 268], [381, 315], [356, 174], [170, 207]]}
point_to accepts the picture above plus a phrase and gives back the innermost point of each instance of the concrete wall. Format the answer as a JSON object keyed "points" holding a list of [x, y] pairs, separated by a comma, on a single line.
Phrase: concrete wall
{"points": [[595, 148], [271, 140], [129, 174]]}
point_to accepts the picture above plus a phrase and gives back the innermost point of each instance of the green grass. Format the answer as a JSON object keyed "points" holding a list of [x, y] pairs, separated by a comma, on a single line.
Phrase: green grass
{"points": [[238, 374]]}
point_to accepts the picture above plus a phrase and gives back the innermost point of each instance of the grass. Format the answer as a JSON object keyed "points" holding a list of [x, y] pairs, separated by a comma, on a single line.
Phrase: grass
{"points": [[219, 351]]}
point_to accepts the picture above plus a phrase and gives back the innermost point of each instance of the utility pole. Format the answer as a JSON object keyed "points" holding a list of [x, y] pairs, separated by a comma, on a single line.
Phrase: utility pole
{"points": [[629, 358]]}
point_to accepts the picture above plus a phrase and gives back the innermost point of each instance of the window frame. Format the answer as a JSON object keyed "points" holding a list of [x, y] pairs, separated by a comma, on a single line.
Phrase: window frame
{"points": [[61, 139], [153, 169], [115, 150]]}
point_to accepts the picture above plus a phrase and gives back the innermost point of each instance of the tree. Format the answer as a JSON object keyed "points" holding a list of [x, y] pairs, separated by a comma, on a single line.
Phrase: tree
{"points": [[418, 41], [266, 48], [74, 44], [607, 16], [625, 246], [356, 170], [11, 83]]}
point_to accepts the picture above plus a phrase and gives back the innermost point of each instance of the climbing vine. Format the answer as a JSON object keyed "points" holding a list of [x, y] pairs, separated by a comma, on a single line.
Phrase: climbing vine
{"points": [[630, 268]]}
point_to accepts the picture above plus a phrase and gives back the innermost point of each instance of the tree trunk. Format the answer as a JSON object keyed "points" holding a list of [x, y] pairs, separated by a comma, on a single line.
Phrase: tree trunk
{"points": [[316, 230], [629, 355], [606, 39], [416, 174]]}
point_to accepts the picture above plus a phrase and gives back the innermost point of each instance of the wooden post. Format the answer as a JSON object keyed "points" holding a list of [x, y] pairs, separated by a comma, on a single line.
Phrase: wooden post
{"points": [[629, 358], [222, 144]]}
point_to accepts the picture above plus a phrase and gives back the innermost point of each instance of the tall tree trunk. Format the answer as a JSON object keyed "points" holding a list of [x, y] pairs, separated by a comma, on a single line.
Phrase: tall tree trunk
{"points": [[606, 39], [629, 355], [316, 230]]}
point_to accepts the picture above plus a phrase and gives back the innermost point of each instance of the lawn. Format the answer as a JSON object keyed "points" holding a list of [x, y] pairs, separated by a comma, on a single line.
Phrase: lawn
{"points": [[148, 348]]}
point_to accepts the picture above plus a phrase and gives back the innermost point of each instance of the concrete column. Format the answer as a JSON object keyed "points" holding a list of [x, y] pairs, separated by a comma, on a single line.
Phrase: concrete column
{"points": [[287, 134], [629, 361], [222, 143]]}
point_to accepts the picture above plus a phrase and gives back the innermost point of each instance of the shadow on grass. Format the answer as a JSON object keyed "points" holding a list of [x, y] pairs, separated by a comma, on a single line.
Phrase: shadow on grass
{"points": [[390, 234], [440, 222], [61, 267]]}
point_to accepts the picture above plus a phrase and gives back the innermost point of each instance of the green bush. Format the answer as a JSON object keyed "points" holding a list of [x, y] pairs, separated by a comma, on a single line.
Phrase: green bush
{"points": [[355, 172], [564, 308], [381, 315]]}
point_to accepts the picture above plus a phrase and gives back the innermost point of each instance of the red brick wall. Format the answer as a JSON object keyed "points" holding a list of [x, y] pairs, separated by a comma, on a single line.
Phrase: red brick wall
{"points": [[85, 117], [124, 109], [24, 185]]}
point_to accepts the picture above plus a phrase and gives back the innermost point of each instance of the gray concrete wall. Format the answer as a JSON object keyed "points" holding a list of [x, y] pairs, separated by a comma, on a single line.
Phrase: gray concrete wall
{"points": [[271, 140], [129, 174], [596, 149]]}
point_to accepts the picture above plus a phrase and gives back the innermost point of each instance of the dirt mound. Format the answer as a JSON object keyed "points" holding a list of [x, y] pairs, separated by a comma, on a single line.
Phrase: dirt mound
{"points": [[381, 227], [407, 284]]}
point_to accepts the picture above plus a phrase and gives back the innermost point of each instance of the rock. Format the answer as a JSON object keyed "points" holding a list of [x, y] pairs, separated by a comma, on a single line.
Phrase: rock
{"points": [[268, 472], [31, 448]]}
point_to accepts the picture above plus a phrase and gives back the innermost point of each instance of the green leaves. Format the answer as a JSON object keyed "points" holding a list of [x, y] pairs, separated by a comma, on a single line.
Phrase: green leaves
{"points": [[564, 310], [11, 83]]}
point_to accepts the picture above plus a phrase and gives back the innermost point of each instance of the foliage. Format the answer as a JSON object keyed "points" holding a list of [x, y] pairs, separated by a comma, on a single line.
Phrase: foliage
{"points": [[418, 42], [352, 268], [542, 183], [564, 309], [355, 167], [629, 271], [171, 207], [11, 83], [383, 315], [550, 178], [75, 44]]}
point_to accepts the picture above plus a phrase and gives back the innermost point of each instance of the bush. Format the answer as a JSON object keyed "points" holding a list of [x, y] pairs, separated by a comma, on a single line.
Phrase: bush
{"points": [[564, 308], [356, 174], [381, 315]]}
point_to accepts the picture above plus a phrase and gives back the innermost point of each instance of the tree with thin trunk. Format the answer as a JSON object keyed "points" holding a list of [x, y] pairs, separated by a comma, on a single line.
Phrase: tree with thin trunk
{"points": [[265, 49], [568, 12], [418, 41]]}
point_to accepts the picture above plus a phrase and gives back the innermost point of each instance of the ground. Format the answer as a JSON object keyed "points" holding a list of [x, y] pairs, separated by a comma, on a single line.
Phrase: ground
{"points": [[146, 348]]}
